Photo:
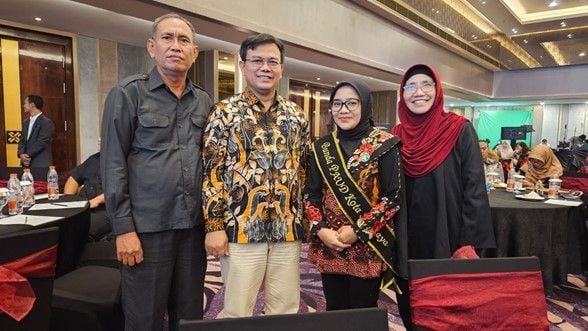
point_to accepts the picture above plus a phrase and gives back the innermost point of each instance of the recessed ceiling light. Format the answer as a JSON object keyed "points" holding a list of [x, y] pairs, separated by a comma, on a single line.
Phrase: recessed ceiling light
{"points": [[225, 58], [582, 54], [514, 30], [337, 82], [525, 41], [570, 35], [553, 4], [563, 24], [474, 36], [542, 103], [318, 78], [38, 19]]}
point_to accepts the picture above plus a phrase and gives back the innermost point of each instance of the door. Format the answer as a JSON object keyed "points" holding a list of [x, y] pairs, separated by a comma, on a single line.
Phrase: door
{"points": [[44, 68]]}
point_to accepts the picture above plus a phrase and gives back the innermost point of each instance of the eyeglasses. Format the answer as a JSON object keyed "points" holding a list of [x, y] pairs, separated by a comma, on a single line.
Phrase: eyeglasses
{"points": [[425, 87], [258, 62], [337, 105]]}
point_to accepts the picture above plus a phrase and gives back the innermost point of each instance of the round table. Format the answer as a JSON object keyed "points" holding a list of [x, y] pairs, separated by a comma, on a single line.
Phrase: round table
{"points": [[74, 226], [554, 233]]}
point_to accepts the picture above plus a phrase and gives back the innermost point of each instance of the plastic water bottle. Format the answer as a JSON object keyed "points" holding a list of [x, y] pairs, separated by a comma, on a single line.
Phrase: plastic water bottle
{"points": [[28, 190], [15, 200], [52, 184]]}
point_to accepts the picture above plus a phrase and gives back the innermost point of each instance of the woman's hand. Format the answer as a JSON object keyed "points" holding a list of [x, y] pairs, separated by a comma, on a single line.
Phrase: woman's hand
{"points": [[330, 238], [346, 235]]}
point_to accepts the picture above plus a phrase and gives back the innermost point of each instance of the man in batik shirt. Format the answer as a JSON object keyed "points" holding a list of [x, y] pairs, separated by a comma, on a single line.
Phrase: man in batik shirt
{"points": [[254, 149]]}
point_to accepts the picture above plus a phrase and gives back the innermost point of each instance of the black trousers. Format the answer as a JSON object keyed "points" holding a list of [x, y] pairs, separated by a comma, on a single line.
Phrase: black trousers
{"points": [[348, 292], [171, 278]]}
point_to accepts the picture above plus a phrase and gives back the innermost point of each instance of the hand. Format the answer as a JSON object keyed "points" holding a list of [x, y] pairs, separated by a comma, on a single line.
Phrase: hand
{"points": [[217, 243], [94, 203], [128, 249], [25, 159], [330, 238], [527, 183], [346, 235]]}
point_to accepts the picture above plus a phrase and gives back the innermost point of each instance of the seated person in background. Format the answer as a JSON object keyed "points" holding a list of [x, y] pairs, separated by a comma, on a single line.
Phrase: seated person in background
{"points": [[520, 155], [577, 141], [542, 165], [84, 180], [490, 165], [504, 151]]}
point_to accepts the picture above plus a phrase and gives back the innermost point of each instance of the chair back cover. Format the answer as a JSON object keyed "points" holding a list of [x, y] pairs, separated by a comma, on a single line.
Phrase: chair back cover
{"points": [[478, 294]]}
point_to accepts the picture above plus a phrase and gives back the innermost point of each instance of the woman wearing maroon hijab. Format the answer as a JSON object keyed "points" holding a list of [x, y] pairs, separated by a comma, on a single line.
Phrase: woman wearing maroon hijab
{"points": [[446, 200]]}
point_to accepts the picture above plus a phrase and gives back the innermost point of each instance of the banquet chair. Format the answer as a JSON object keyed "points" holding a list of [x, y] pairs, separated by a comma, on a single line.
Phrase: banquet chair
{"points": [[17, 245], [373, 319], [477, 294], [88, 299]]}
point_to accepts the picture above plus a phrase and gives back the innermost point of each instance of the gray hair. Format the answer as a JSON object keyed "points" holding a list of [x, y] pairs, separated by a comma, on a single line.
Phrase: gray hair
{"points": [[172, 15]]}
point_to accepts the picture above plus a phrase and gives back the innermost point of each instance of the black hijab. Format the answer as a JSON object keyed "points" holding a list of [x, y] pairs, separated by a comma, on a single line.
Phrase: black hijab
{"points": [[350, 139]]}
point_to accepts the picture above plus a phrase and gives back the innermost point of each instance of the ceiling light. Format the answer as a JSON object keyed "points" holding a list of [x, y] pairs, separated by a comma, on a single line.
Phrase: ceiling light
{"points": [[582, 54], [525, 41], [337, 82], [514, 30], [570, 35], [318, 78], [553, 4], [38, 19], [542, 103], [225, 58], [563, 24], [474, 36]]}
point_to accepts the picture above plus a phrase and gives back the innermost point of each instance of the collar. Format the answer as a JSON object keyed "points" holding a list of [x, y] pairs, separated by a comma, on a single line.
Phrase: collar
{"points": [[252, 99], [155, 82], [33, 118]]}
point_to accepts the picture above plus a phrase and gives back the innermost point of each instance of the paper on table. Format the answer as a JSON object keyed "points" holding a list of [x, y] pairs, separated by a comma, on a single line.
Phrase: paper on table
{"points": [[33, 220], [59, 205], [564, 202]]}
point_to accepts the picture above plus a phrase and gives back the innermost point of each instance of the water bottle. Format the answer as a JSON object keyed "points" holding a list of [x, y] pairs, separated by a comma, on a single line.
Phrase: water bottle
{"points": [[15, 199], [52, 184], [28, 190]]}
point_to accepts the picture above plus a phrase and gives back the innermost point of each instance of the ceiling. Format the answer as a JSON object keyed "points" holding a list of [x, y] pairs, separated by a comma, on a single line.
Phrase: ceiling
{"points": [[504, 34], [490, 21]]}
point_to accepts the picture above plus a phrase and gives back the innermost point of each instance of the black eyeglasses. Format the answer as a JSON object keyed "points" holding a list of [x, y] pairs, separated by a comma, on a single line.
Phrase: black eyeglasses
{"points": [[425, 87], [258, 62], [351, 104]]}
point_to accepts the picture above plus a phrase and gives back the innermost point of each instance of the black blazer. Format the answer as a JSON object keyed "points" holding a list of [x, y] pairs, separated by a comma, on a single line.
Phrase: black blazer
{"points": [[38, 146]]}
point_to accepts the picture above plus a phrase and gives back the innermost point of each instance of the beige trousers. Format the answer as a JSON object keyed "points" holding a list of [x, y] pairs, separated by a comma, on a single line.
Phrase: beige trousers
{"points": [[248, 266]]}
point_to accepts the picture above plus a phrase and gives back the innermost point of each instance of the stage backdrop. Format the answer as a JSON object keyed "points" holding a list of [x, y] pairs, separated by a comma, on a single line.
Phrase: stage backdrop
{"points": [[491, 121]]}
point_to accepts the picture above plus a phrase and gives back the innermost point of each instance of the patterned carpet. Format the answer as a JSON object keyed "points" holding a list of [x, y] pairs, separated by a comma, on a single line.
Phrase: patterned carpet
{"points": [[567, 307]]}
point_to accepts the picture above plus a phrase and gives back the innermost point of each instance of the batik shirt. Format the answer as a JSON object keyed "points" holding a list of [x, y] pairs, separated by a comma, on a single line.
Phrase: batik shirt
{"points": [[253, 165]]}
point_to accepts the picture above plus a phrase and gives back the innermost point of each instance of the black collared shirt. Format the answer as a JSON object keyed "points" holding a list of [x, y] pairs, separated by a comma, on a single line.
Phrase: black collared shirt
{"points": [[150, 155]]}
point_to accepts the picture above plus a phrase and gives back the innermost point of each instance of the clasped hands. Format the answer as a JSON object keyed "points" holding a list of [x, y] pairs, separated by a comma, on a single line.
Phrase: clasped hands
{"points": [[25, 159], [338, 240]]}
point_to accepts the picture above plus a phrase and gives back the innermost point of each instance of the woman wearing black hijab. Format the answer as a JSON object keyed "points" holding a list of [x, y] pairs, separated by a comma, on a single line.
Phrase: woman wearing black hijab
{"points": [[351, 198]]}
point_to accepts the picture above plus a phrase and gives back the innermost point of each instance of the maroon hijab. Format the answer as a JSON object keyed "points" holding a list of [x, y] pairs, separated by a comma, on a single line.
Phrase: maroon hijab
{"points": [[427, 139]]}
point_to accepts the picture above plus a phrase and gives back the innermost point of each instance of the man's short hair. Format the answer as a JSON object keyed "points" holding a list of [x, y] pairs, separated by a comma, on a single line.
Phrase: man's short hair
{"points": [[36, 99], [583, 136], [172, 15], [263, 38]]}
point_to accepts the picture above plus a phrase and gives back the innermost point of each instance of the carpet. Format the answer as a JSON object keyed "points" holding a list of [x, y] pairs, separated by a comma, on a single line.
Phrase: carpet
{"points": [[567, 307]]}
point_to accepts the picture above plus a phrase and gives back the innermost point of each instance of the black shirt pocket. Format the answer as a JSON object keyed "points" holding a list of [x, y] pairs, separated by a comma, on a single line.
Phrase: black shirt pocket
{"points": [[153, 131]]}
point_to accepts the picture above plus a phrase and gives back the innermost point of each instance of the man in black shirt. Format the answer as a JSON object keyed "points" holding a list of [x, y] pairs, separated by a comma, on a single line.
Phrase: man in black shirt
{"points": [[84, 180]]}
